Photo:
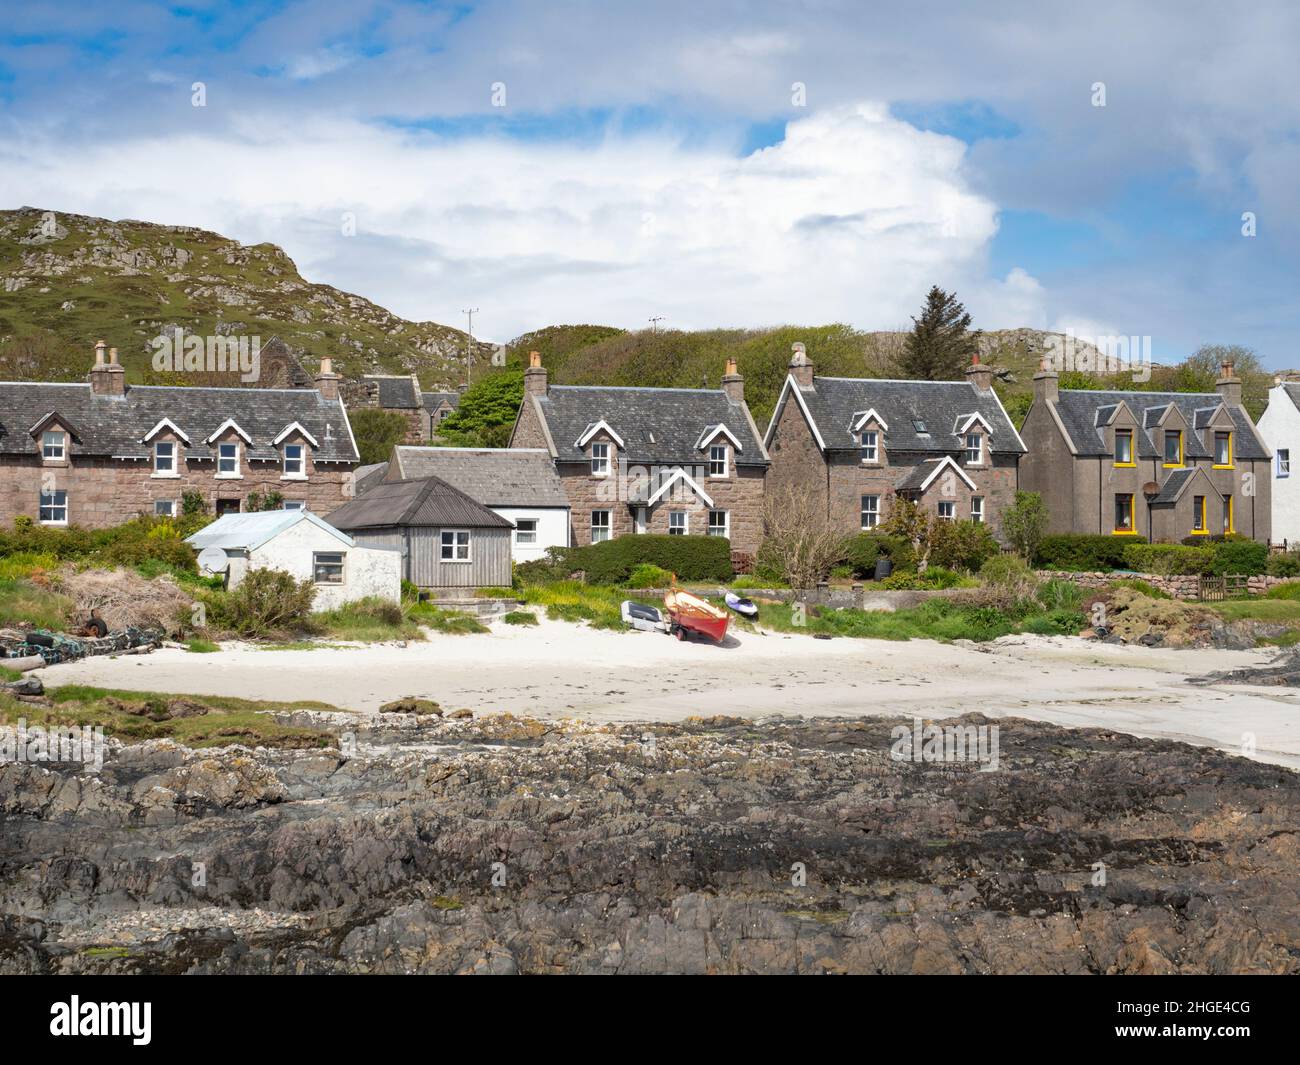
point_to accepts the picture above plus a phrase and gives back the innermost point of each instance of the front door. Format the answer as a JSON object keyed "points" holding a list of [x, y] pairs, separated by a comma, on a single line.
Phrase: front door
{"points": [[639, 520]]}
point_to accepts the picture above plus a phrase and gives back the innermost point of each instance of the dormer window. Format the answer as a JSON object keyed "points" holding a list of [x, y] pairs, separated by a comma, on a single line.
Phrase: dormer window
{"points": [[54, 445], [1124, 447], [294, 461], [870, 445], [600, 460], [1173, 447], [228, 459], [718, 460], [1223, 450], [974, 449], [164, 458]]}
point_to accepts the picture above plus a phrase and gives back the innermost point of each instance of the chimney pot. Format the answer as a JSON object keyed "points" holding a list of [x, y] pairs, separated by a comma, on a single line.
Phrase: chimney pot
{"points": [[99, 352], [534, 359], [112, 356], [1229, 385], [1046, 388], [801, 367], [326, 380], [535, 378], [978, 374], [732, 383]]}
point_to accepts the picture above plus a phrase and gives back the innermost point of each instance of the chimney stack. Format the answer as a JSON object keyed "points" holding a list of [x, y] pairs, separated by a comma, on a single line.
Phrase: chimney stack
{"points": [[733, 384], [1228, 385], [535, 383], [326, 380], [801, 367], [107, 378], [978, 374], [1045, 386]]}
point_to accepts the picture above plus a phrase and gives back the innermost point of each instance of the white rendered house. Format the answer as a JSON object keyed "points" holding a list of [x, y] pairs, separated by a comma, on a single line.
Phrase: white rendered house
{"points": [[1280, 427]]}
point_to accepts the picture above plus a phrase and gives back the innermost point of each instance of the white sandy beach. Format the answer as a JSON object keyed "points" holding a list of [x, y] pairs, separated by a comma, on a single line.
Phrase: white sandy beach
{"points": [[563, 670]]}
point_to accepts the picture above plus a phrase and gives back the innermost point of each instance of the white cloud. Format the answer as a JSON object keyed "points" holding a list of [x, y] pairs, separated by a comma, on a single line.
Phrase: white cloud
{"points": [[850, 218]]}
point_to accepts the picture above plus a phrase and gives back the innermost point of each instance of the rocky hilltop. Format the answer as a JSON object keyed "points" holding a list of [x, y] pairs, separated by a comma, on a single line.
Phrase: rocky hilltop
{"points": [[501, 845], [67, 280]]}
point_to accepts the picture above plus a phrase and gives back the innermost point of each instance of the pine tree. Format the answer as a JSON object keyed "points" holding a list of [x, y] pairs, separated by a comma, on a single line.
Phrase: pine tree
{"points": [[940, 345]]}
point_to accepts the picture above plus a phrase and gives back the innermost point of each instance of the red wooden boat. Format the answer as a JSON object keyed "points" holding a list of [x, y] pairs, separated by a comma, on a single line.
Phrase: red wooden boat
{"points": [[688, 614]]}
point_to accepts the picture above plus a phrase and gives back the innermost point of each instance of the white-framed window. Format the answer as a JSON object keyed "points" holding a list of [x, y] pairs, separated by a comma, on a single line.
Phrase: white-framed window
{"points": [[327, 567], [870, 512], [719, 523], [678, 523], [870, 445], [525, 530], [54, 445], [294, 462], [455, 545], [717, 460], [164, 457], [228, 460], [54, 507], [599, 526], [600, 460], [294, 504], [1284, 462], [164, 508], [974, 449], [947, 510], [977, 509]]}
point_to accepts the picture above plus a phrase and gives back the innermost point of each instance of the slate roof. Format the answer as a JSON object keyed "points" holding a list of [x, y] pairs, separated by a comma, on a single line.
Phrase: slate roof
{"points": [[1174, 484], [658, 426], [1079, 410], [427, 501], [115, 425], [366, 477], [496, 477], [395, 393], [247, 532], [835, 403], [433, 400]]}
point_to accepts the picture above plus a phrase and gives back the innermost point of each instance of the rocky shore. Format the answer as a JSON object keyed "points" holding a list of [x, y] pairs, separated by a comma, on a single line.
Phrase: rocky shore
{"points": [[507, 845]]}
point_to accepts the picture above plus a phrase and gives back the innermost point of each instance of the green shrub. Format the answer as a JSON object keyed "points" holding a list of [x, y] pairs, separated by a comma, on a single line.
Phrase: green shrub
{"points": [[961, 544], [266, 602], [691, 558], [1144, 587], [1005, 571], [1084, 551], [648, 575], [862, 551], [1283, 565], [520, 617], [1239, 557], [1169, 560]]}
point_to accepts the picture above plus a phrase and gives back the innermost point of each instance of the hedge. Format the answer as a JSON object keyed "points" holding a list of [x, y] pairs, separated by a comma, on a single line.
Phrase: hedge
{"points": [[1169, 560], [141, 540], [862, 551], [692, 558], [1084, 551]]}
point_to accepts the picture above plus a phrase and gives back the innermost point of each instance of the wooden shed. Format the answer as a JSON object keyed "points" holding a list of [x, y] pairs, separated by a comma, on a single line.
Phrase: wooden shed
{"points": [[447, 540]]}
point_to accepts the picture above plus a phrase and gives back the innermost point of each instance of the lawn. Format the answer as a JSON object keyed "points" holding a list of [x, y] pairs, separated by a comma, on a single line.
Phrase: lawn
{"points": [[1281, 610], [129, 715]]}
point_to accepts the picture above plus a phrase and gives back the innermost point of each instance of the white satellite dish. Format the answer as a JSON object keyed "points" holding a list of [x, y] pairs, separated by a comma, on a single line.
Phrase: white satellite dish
{"points": [[213, 560]]}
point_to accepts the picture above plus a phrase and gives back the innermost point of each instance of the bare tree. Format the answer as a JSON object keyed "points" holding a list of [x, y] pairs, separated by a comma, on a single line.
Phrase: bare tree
{"points": [[799, 541]]}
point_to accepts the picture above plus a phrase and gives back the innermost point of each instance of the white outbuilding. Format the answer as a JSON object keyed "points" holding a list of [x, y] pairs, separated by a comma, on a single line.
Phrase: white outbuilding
{"points": [[305, 545]]}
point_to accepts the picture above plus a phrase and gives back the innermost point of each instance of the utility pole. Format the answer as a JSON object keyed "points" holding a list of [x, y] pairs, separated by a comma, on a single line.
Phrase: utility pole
{"points": [[469, 341], [654, 323]]}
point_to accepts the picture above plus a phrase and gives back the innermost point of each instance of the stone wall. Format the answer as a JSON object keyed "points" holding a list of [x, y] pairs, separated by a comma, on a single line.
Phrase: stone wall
{"points": [[1178, 587], [104, 492]]}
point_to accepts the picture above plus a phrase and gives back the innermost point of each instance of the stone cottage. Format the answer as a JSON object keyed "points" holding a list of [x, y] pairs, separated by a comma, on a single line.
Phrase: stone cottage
{"points": [[678, 461], [857, 443], [101, 453], [1164, 465]]}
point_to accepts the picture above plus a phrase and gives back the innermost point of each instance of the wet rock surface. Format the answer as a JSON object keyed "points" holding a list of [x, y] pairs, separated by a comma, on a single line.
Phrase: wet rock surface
{"points": [[505, 845]]}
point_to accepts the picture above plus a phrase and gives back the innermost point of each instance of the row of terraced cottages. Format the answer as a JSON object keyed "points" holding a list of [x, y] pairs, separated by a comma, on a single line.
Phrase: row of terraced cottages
{"points": [[587, 464]]}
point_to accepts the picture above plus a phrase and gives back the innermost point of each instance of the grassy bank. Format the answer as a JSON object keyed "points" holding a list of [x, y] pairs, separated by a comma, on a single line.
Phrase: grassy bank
{"points": [[132, 715]]}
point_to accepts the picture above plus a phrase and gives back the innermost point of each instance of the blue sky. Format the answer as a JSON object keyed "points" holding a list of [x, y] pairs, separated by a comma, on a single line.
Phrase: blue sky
{"points": [[719, 165]]}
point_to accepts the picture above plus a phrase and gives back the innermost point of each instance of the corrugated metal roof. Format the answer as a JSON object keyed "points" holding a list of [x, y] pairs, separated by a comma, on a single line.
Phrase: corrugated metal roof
{"points": [[428, 501], [247, 532]]}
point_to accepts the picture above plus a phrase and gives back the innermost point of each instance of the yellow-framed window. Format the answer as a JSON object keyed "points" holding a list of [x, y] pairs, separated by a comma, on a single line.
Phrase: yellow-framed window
{"points": [[1124, 448], [1124, 523], [1199, 528], [1229, 522], [1223, 450], [1173, 448]]}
